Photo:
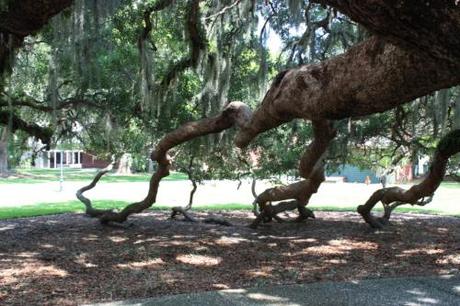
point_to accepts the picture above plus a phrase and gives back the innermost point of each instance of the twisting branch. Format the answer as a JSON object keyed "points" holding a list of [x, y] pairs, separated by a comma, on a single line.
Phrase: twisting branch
{"points": [[310, 168], [223, 10], [181, 210], [197, 44], [69, 103], [90, 210], [395, 196], [235, 113]]}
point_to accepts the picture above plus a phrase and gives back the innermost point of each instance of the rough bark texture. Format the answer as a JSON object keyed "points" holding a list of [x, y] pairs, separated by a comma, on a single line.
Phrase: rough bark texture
{"points": [[310, 168], [396, 196], [235, 113], [430, 27], [371, 77]]}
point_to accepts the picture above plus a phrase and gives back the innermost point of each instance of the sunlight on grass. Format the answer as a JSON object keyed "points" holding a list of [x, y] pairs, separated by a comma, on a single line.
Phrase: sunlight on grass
{"points": [[41, 209], [33, 176], [453, 185]]}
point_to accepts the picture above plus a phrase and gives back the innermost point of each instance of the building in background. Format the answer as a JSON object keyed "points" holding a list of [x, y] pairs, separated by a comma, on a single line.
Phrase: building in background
{"points": [[70, 159]]}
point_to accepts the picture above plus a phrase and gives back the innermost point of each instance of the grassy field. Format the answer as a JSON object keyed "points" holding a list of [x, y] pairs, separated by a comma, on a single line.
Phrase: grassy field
{"points": [[41, 209], [33, 176], [455, 185]]}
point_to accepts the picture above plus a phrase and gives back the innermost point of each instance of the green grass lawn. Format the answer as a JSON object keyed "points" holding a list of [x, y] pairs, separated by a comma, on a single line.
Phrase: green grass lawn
{"points": [[76, 206], [42, 209], [32, 176], [455, 185]]}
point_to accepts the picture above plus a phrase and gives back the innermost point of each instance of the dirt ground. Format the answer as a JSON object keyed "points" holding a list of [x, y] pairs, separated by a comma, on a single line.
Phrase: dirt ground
{"points": [[71, 259]]}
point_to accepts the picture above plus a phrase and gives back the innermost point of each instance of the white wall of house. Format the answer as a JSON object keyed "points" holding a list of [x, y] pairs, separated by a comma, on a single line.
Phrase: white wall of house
{"points": [[53, 158]]}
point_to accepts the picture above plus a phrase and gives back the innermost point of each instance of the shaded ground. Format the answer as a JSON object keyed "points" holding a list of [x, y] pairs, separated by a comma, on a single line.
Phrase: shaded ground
{"points": [[70, 259]]}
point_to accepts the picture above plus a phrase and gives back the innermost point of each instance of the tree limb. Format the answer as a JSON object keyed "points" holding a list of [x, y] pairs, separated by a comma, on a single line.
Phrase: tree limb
{"points": [[396, 196], [234, 114], [42, 133]]}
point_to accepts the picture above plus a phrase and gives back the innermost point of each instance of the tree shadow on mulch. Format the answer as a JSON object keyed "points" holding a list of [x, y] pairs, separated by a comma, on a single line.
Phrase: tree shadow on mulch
{"points": [[71, 259]]}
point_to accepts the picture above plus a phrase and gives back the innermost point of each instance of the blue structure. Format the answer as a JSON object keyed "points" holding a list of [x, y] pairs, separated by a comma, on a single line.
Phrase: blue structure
{"points": [[354, 174]]}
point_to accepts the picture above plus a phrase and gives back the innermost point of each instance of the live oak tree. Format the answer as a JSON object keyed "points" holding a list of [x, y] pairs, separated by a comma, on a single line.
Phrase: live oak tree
{"points": [[407, 51]]}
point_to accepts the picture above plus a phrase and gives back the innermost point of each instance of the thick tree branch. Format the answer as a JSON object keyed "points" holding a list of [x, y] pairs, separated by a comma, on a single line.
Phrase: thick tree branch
{"points": [[90, 210], [67, 104], [42, 133], [235, 113], [310, 168], [371, 77], [429, 27], [396, 196], [196, 41]]}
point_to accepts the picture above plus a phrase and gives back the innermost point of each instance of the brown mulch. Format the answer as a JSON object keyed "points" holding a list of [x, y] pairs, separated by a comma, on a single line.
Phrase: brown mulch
{"points": [[71, 259]]}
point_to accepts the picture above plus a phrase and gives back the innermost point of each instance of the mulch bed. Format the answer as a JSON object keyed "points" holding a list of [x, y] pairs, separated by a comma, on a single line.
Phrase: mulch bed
{"points": [[71, 259]]}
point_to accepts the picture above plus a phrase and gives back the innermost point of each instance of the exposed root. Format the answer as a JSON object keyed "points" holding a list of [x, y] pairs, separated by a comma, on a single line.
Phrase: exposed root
{"points": [[420, 194], [176, 211], [235, 113], [311, 168]]}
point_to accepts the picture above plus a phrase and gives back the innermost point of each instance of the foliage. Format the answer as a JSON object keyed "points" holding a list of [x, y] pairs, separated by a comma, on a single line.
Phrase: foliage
{"points": [[114, 77]]}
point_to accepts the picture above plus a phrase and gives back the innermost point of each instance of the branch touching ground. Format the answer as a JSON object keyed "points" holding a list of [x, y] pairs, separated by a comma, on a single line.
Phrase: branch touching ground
{"points": [[311, 169], [90, 210], [235, 113], [189, 218], [420, 194]]}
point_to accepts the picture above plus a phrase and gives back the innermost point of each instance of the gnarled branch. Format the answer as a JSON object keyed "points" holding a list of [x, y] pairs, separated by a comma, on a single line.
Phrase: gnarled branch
{"points": [[310, 168], [395, 196], [235, 113], [90, 210]]}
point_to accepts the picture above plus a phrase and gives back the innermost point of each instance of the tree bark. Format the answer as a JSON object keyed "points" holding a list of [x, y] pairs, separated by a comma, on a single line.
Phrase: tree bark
{"points": [[234, 114], [4, 152], [448, 146], [373, 76], [90, 210], [428, 27], [310, 168]]}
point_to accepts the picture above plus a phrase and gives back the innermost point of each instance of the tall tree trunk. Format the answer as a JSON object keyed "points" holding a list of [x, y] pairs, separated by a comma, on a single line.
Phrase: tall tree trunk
{"points": [[456, 123], [4, 151], [125, 164]]}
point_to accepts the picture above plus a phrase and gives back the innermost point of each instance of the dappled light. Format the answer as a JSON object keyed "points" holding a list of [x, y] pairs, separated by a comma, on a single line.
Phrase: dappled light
{"points": [[286, 122], [158, 256]]}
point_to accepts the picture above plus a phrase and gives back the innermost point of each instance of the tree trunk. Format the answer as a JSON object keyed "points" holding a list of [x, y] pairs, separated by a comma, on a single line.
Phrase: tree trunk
{"points": [[456, 120], [4, 152], [125, 164]]}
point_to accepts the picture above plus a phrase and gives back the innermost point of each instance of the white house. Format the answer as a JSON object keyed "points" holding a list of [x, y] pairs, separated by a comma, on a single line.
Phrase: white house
{"points": [[53, 159]]}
